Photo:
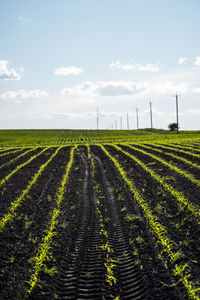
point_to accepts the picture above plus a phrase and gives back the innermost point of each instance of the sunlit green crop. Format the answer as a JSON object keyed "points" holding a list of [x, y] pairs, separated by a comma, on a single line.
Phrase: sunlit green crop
{"points": [[8, 217], [4, 180], [43, 249], [159, 231], [182, 201]]}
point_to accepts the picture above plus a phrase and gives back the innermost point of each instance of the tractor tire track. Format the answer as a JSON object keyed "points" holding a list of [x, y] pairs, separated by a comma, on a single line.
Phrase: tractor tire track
{"points": [[84, 273], [130, 278]]}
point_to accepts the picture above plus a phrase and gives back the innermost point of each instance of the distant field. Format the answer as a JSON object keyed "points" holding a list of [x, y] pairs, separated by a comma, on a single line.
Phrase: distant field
{"points": [[62, 137], [98, 214]]}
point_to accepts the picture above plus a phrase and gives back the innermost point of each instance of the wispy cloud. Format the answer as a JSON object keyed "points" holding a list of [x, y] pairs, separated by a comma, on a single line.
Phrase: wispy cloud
{"points": [[182, 60], [8, 74], [131, 67], [23, 18], [65, 71], [197, 61], [23, 94]]}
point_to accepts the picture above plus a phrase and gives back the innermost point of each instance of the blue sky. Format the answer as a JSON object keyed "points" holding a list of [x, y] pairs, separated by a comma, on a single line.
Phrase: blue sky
{"points": [[60, 60]]}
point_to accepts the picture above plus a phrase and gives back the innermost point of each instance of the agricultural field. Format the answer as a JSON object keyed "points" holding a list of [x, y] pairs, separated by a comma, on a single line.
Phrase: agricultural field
{"points": [[99, 215], [10, 138]]}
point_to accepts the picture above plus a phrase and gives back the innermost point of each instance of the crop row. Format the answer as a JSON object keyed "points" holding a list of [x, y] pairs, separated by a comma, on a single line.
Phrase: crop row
{"points": [[170, 209], [175, 156], [45, 246], [136, 164], [16, 203], [182, 200], [160, 232]]}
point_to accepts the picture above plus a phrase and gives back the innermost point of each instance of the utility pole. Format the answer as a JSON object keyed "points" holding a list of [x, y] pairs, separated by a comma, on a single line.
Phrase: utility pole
{"points": [[127, 122], [121, 122], [177, 113], [137, 118], [115, 124], [97, 118], [150, 103]]}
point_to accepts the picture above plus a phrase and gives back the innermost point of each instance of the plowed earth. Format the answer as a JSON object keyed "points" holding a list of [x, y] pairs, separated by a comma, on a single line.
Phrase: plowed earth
{"points": [[75, 266]]}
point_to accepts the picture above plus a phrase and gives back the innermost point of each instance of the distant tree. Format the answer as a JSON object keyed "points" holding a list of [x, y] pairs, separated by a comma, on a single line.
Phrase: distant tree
{"points": [[173, 126]]}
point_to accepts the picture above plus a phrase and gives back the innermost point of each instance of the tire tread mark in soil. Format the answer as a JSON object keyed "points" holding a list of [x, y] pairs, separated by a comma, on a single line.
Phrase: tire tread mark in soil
{"points": [[131, 281], [82, 279]]}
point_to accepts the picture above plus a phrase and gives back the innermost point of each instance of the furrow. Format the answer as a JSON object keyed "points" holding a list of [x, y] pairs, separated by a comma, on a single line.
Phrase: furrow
{"points": [[5, 179], [8, 217], [159, 232], [181, 199], [16, 158], [173, 167], [125, 266], [82, 278], [177, 157], [45, 246]]}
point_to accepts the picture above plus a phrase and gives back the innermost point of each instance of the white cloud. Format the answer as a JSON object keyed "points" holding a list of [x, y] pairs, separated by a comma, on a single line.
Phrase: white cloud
{"points": [[6, 73], [22, 94], [148, 67], [197, 61], [137, 67], [127, 88], [103, 88], [118, 88], [182, 60], [82, 89], [65, 71]]}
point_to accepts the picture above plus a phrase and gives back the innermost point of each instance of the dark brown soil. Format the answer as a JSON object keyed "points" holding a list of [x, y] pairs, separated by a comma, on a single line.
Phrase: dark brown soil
{"points": [[76, 254]]}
